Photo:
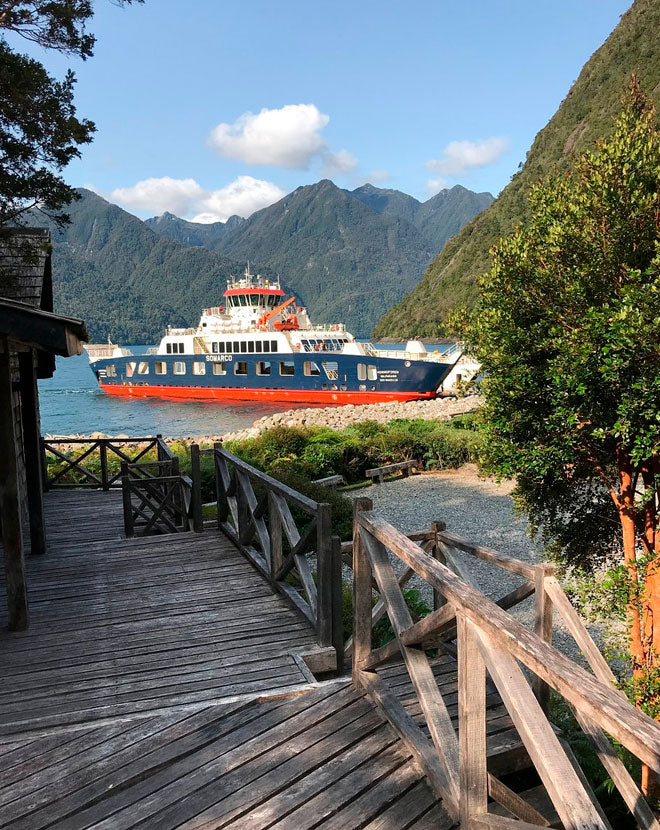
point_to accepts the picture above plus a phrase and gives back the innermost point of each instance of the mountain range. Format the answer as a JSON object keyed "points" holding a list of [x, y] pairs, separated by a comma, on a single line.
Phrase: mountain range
{"points": [[586, 114], [347, 255]]}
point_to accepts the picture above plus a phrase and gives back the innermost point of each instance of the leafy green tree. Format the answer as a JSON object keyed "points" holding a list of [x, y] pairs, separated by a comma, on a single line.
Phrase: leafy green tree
{"points": [[567, 328], [39, 130]]}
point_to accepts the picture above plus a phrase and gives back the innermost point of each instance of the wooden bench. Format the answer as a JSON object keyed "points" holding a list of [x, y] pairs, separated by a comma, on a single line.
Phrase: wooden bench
{"points": [[378, 473], [330, 481]]}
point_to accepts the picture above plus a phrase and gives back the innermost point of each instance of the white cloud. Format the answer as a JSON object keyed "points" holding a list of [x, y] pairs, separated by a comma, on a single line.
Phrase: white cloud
{"points": [[459, 156], [160, 195], [287, 137], [243, 196], [339, 163], [185, 197], [436, 185], [378, 176]]}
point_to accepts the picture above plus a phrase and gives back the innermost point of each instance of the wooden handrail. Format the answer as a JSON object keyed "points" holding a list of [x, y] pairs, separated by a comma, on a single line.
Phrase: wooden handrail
{"points": [[488, 636], [261, 524]]}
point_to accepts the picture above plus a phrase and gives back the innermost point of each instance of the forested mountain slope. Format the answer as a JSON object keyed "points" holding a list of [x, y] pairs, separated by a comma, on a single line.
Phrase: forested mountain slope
{"points": [[586, 114]]}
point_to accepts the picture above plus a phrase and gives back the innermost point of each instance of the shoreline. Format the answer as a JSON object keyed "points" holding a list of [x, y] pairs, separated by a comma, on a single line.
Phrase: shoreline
{"points": [[332, 417]]}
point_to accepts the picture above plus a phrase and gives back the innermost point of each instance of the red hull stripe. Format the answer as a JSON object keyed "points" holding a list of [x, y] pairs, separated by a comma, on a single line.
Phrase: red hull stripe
{"points": [[296, 395], [236, 292]]}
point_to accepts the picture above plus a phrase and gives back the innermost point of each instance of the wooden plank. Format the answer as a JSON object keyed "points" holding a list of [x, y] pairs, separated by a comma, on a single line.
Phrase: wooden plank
{"points": [[508, 563], [433, 706], [362, 577], [601, 704], [10, 507], [542, 627], [567, 792], [472, 755], [514, 804]]}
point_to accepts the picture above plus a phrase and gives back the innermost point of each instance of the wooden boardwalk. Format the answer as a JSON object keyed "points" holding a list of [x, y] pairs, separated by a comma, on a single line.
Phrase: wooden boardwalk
{"points": [[159, 685]]}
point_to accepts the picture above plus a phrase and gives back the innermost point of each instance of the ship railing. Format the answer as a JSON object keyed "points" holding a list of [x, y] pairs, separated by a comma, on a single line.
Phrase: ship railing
{"points": [[95, 463], [152, 350], [181, 332], [288, 538]]}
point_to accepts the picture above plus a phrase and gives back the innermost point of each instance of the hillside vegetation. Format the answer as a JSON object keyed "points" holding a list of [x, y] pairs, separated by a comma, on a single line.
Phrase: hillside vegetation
{"points": [[586, 114], [348, 254]]}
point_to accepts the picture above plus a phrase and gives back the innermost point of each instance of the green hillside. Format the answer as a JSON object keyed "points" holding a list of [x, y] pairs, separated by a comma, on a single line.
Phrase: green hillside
{"points": [[349, 255], [127, 282], [586, 114]]}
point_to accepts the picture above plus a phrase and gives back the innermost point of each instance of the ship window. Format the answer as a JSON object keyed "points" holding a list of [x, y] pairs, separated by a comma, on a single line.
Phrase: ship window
{"points": [[362, 371], [110, 370], [363, 387], [143, 368], [199, 368], [160, 367], [254, 299], [181, 348], [168, 348], [240, 367], [311, 369], [266, 346], [250, 345], [287, 367], [179, 367], [372, 372], [244, 301], [130, 369], [263, 367], [221, 347], [237, 346], [243, 346], [219, 369], [273, 345], [331, 368], [214, 348]]}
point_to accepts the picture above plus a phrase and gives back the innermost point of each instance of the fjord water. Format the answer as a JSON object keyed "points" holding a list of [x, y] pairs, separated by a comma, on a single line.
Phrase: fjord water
{"points": [[72, 403]]}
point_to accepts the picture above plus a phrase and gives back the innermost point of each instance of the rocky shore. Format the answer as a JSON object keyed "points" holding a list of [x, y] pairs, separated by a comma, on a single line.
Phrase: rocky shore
{"points": [[333, 417]]}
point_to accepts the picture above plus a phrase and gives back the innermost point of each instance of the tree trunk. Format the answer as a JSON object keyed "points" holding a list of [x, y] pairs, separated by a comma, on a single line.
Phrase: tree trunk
{"points": [[626, 508]]}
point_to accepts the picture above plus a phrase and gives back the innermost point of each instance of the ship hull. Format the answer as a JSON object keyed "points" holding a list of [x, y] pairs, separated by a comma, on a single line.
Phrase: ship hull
{"points": [[298, 378]]}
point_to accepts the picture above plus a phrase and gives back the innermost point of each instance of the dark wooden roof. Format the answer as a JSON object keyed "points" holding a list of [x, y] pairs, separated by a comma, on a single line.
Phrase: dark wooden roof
{"points": [[23, 324], [25, 266]]}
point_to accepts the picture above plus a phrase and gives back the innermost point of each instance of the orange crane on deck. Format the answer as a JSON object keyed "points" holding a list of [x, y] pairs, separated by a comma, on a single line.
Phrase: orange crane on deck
{"points": [[290, 324]]}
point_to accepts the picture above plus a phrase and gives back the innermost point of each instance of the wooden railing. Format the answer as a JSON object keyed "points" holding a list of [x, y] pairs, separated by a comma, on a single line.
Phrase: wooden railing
{"points": [[284, 533], [490, 640], [97, 463], [157, 498]]}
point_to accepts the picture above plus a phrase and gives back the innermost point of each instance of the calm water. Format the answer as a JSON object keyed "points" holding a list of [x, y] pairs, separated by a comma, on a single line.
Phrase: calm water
{"points": [[71, 403]]}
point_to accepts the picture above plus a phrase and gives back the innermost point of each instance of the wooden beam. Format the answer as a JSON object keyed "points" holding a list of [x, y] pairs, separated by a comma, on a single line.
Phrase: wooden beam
{"points": [[472, 751], [10, 507], [32, 450], [600, 703], [361, 594]]}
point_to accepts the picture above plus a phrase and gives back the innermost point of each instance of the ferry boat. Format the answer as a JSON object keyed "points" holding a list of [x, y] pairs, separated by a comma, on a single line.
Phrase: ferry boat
{"points": [[259, 345]]}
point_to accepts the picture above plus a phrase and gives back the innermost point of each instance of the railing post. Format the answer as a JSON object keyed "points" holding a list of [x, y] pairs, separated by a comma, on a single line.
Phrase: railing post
{"points": [[472, 751], [328, 580], [160, 455], [362, 579], [542, 626], [44, 465], [275, 533], [103, 452], [126, 497], [195, 474], [437, 527], [220, 497]]}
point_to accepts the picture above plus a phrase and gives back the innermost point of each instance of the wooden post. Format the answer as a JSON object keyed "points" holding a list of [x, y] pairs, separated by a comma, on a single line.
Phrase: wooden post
{"points": [[542, 626], [337, 603], [220, 498], [324, 575], [472, 753], [196, 475], [32, 450], [103, 452], [10, 507], [126, 496], [275, 532], [437, 527], [362, 579]]}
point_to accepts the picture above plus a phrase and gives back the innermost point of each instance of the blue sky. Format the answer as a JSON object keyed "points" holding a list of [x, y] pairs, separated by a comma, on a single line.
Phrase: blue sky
{"points": [[414, 96]]}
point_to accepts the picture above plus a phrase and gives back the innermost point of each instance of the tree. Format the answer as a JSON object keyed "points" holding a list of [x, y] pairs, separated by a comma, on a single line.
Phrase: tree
{"points": [[567, 328], [39, 130]]}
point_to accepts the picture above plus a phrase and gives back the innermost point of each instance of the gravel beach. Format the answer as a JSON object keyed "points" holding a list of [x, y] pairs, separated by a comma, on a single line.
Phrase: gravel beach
{"points": [[479, 509]]}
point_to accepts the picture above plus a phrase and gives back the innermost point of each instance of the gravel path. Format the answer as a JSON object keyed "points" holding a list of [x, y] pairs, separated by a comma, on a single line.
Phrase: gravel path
{"points": [[474, 507]]}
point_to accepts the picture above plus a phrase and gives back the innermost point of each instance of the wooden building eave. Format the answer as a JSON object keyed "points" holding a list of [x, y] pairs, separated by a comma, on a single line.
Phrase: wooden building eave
{"points": [[26, 325]]}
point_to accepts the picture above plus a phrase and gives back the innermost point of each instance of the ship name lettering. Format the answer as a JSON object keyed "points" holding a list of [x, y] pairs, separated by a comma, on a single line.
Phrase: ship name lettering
{"points": [[219, 358]]}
